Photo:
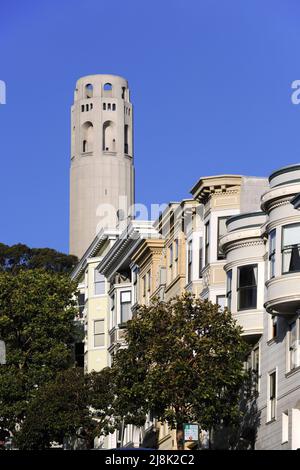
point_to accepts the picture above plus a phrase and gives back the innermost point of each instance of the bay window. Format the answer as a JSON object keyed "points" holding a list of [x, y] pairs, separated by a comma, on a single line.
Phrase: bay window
{"points": [[247, 287]]}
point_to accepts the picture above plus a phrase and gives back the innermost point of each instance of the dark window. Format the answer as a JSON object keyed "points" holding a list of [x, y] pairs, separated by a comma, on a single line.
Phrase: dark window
{"points": [[171, 255], [221, 231], [247, 287], [84, 146], [272, 392], [104, 106], [273, 326], [207, 236], [123, 92], [82, 107], [81, 303], [113, 107], [126, 138], [79, 354], [290, 248], [229, 289]]}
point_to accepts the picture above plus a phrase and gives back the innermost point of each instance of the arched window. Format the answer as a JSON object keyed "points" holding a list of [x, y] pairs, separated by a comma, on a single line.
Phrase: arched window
{"points": [[109, 140], [89, 90], [107, 87], [87, 137]]}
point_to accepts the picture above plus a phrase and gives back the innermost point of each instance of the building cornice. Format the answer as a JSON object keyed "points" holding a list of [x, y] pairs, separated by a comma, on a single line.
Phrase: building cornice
{"points": [[119, 256], [278, 196]]}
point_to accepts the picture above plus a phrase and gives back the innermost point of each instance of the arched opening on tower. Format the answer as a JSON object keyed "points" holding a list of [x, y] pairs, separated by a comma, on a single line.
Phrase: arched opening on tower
{"points": [[126, 146], [87, 137], [109, 138], [89, 90], [107, 89], [107, 86]]}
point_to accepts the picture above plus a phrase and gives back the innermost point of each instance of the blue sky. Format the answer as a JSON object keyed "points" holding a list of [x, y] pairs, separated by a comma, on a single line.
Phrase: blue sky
{"points": [[210, 82]]}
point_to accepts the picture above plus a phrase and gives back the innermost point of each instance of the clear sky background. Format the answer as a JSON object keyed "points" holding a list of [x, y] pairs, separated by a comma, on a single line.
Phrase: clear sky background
{"points": [[210, 82]]}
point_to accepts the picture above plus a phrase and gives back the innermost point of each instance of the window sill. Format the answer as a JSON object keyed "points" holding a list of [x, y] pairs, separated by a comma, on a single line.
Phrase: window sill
{"points": [[86, 154], [292, 372], [273, 420], [272, 341]]}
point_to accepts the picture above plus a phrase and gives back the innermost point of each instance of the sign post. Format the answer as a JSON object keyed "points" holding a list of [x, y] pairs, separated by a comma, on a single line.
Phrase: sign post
{"points": [[191, 435]]}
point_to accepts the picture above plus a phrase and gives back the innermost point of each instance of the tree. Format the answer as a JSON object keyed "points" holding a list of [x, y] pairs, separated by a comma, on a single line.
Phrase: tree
{"points": [[16, 257], [184, 362], [37, 311], [73, 409]]}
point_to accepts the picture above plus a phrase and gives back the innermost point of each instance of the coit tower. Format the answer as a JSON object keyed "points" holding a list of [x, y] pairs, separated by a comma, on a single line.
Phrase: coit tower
{"points": [[102, 171]]}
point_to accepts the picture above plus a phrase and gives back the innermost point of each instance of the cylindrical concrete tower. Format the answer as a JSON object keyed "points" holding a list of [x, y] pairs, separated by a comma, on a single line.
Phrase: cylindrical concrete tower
{"points": [[102, 172]]}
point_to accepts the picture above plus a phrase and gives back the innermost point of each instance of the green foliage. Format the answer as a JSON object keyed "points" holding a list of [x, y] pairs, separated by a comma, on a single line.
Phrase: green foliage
{"points": [[65, 411], [184, 362], [37, 311], [16, 257]]}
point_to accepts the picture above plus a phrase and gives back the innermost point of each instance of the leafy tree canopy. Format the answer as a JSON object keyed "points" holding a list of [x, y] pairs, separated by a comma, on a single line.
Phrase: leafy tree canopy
{"points": [[64, 411], [184, 362], [16, 257], [37, 310]]}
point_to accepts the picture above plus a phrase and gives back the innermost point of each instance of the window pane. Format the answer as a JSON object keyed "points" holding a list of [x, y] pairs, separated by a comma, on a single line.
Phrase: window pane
{"points": [[229, 280], [291, 259], [125, 312], [247, 276], [247, 290], [291, 235], [99, 327], [126, 296], [272, 241], [99, 288], [99, 341]]}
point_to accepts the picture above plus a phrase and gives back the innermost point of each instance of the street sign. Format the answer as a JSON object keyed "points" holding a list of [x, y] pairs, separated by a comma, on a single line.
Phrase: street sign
{"points": [[2, 353], [191, 432]]}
